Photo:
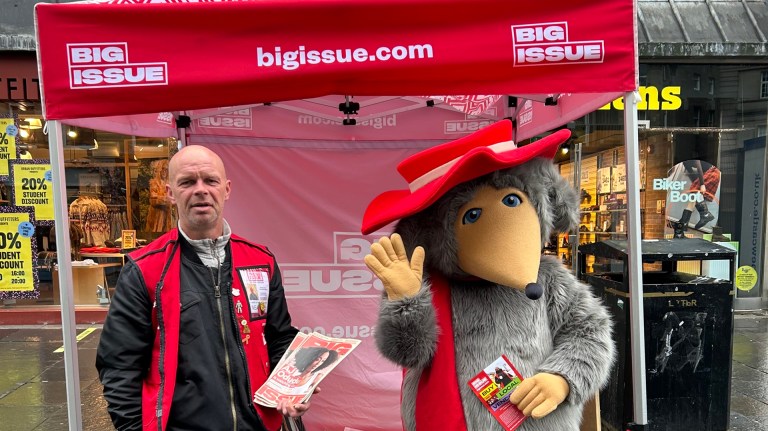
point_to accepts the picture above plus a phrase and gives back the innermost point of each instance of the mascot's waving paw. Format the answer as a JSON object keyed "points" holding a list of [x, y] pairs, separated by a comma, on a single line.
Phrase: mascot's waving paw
{"points": [[466, 282], [390, 263]]}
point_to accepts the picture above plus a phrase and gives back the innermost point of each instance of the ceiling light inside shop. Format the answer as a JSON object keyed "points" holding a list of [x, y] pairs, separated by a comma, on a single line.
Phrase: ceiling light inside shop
{"points": [[34, 123], [24, 133], [72, 133]]}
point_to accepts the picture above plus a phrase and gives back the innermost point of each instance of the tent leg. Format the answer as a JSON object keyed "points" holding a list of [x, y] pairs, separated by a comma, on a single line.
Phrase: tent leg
{"points": [[64, 260], [631, 149]]}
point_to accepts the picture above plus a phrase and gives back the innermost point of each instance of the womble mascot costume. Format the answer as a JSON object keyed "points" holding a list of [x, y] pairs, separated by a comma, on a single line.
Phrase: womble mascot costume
{"points": [[466, 282]]}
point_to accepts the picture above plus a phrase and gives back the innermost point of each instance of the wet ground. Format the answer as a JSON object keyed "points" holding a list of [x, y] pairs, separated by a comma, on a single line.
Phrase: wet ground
{"points": [[33, 391]]}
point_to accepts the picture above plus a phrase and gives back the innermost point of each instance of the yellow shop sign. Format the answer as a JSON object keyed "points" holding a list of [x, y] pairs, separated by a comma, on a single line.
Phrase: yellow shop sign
{"points": [[651, 99]]}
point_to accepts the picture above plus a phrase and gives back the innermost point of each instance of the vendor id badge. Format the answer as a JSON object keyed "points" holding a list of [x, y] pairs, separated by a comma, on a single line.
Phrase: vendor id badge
{"points": [[255, 280]]}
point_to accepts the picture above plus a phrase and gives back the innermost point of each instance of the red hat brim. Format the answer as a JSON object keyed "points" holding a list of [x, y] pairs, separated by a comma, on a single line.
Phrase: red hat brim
{"points": [[395, 204]]}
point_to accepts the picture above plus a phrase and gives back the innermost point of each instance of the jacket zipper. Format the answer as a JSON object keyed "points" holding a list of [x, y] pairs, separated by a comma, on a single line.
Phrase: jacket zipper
{"points": [[217, 294]]}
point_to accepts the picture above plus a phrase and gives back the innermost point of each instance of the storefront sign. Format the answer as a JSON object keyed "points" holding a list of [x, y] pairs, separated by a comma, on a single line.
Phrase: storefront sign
{"points": [[8, 133], [651, 99], [32, 187], [18, 77], [752, 204], [16, 250]]}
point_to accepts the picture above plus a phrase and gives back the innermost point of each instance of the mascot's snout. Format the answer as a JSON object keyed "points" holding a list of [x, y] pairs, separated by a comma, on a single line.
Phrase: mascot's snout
{"points": [[496, 233]]}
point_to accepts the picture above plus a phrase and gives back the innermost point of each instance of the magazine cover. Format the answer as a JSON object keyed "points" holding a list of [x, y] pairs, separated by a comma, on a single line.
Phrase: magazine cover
{"points": [[306, 362], [493, 386]]}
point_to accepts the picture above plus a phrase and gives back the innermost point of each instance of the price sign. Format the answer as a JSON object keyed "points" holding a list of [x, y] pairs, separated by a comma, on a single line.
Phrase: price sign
{"points": [[8, 133], [16, 267], [32, 187]]}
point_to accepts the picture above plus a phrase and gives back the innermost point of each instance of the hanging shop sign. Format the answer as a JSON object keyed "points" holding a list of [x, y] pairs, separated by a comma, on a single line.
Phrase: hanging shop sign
{"points": [[8, 132], [33, 187], [18, 278]]}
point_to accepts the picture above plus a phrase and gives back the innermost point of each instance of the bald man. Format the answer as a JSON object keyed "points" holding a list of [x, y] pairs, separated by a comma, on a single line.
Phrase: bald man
{"points": [[184, 347]]}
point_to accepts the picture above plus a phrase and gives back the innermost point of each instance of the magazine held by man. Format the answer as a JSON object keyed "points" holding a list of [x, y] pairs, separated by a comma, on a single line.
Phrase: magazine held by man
{"points": [[493, 386], [306, 362]]}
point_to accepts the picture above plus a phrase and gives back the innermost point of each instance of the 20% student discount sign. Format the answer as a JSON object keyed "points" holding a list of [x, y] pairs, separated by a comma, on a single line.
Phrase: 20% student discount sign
{"points": [[32, 187], [16, 270]]}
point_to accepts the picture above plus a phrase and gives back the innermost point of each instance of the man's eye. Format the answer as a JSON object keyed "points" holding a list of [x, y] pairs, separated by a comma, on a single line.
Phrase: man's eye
{"points": [[512, 200], [471, 216]]}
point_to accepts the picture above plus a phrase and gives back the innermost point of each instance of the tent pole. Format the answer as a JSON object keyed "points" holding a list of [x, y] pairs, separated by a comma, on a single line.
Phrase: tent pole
{"points": [[64, 261], [637, 319], [182, 134]]}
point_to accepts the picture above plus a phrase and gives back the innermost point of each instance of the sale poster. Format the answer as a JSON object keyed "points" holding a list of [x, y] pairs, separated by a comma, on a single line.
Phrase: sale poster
{"points": [[33, 187], [8, 133], [17, 248]]}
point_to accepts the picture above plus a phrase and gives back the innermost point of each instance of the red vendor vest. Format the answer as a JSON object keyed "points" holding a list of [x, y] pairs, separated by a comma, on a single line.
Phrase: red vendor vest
{"points": [[160, 265]]}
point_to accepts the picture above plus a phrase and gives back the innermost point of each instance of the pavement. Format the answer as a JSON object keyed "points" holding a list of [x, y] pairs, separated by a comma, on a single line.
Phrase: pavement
{"points": [[33, 389]]}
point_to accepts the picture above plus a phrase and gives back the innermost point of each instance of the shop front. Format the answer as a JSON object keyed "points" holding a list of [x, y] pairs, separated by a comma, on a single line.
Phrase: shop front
{"points": [[702, 164], [115, 192]]}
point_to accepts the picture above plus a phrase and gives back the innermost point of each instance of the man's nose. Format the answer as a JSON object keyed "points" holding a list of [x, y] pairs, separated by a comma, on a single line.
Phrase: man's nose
{"points": [[200, 187]]}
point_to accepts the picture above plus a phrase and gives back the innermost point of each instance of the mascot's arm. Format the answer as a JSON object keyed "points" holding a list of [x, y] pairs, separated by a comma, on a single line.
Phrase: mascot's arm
{"points": [[583, 350], [406, 332]]}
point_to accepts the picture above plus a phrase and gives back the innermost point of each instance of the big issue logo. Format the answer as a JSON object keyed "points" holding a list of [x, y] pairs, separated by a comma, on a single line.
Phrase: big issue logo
{"points": [[346, 275], [548, 44], [104, 65], [239, 119], [470, 123]]}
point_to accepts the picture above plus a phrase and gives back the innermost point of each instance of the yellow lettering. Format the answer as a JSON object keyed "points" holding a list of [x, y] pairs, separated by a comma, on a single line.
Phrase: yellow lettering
{"points": [[671, 96], [649, 99]]}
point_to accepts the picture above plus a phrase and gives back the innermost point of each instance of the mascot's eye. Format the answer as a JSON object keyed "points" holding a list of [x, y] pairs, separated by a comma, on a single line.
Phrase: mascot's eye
{"points": [[471, 216], [512, 200]]}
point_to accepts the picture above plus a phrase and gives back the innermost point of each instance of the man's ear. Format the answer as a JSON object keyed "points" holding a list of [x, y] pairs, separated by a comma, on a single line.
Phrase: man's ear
{"points": [[169, 193]]}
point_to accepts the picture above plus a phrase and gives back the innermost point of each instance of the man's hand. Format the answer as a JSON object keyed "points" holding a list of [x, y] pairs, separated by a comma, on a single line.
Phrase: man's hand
{"points": [[288, 408], [389, 262], [540, 395]]}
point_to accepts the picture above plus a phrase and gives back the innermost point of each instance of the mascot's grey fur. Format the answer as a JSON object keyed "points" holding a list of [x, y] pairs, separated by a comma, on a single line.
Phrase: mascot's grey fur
{"points": [[566, 332]]}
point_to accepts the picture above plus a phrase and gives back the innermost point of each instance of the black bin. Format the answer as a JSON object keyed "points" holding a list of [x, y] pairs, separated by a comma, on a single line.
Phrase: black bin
{"points": [[688, 334]]}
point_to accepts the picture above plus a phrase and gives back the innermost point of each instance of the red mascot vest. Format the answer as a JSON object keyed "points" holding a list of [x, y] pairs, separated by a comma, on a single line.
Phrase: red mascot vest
{"points": [[160, 265]]}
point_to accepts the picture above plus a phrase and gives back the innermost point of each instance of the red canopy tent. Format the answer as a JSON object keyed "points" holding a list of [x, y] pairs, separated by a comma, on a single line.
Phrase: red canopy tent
{"points": [[125, 59]]}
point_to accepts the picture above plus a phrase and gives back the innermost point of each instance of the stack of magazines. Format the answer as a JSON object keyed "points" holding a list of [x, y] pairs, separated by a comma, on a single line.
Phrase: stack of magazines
{"points": [[305, 363]]}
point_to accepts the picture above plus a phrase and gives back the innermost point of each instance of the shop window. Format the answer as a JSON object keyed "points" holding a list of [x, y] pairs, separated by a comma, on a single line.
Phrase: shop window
{"points": [[696, 81], [764, 84]]}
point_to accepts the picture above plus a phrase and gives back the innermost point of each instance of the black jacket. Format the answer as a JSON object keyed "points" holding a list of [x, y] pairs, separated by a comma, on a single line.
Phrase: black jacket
{"points": [[203, 392]]}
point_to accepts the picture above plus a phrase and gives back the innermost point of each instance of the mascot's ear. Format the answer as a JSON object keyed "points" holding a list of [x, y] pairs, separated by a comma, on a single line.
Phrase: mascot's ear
{"points": [[563, 202]]}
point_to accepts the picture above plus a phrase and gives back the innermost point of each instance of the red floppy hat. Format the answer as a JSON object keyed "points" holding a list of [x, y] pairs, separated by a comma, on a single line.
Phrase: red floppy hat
{"points": [[434, 171]]}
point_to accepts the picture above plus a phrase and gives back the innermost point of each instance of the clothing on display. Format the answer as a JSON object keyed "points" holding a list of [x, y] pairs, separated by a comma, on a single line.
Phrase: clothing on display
{"points": [[159, 217], [92, 215]]}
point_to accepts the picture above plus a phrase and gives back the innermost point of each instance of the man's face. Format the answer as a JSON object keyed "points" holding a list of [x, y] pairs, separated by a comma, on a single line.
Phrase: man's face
{"points": [[198, 186]]}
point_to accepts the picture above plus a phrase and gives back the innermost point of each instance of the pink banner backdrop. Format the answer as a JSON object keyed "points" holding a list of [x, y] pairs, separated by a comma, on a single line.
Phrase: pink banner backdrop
{"points": [[306, 205]]}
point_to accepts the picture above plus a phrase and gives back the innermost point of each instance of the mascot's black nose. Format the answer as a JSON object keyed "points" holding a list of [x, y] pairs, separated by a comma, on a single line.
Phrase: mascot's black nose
{"points": [[534, 290]]}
